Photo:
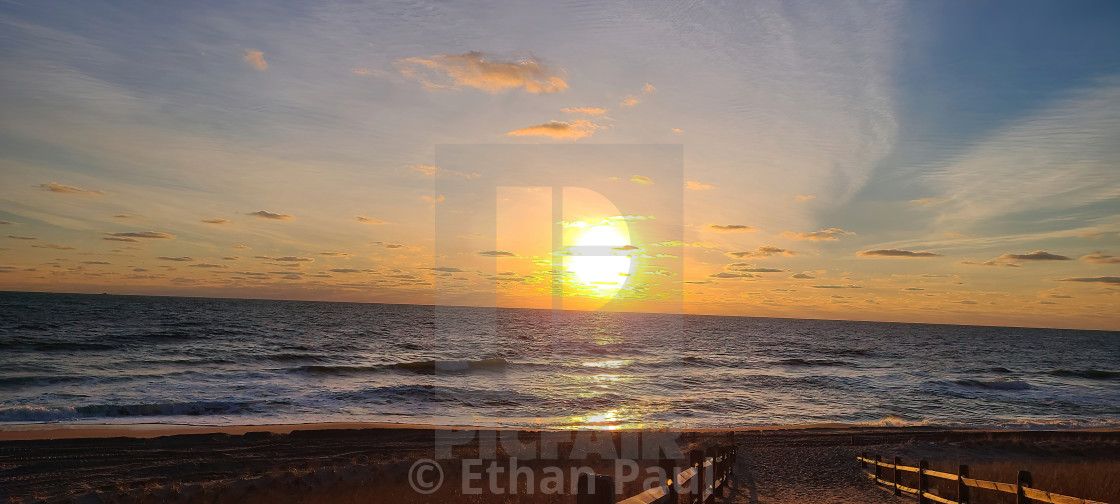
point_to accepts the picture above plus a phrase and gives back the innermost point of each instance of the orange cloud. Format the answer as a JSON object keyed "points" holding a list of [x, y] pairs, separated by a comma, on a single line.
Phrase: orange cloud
{"points": [[269, 215], [1038, 255], [481, 71], [927, 201], [804, 197], [560, 130], [896, 253], [693, 185], [65, 189], [157, 235], [369, 220], [256, 58], [641, 179], [830, 234], [216, 220], [760, 252], [731, 227], [430, 199], [585, 110], [437, 171], [1101, 259]]}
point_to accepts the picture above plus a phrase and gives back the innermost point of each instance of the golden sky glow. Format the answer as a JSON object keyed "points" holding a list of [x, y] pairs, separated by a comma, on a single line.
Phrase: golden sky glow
{"points": [[805, 168]]}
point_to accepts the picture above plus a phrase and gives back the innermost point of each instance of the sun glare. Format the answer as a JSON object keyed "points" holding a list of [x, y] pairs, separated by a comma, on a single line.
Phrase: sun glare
{"points": [[599, 263]]}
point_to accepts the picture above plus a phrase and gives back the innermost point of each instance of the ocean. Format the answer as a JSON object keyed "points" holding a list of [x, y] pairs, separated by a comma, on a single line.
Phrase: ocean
{"points": [[78, 358]]}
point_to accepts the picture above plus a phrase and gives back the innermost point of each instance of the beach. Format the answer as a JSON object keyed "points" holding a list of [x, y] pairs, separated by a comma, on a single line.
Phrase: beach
{"points": [[353, 462]]}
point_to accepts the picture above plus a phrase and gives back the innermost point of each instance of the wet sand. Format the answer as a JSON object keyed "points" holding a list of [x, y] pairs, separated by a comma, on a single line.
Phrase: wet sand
{"points": [[341, 463]]}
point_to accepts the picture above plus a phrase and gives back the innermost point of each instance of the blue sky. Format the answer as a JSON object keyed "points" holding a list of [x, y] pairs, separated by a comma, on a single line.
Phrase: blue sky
{"points": [[972, 131]]}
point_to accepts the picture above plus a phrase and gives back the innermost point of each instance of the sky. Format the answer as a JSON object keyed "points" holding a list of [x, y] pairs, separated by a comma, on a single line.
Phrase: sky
{"points": [[941, 162]]}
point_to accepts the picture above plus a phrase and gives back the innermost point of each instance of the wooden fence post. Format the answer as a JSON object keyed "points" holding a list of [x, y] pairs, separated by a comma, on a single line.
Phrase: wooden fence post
{"points": [[670, 467], [897, 475], [878, 468], [863, 461], [1022, 481], [595, 489], [695, 485], [923, 481], [962, 489]]}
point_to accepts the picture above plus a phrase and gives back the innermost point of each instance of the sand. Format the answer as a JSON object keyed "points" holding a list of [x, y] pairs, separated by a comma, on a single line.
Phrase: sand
{"points": [[347, 462]]}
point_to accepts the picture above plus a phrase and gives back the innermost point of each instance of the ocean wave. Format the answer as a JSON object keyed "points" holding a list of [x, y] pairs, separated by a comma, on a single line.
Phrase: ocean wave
{"points": [[57, 413], [1092, 374], [893, 421], [19, 381], [999, 384], [813, 362], [432, 366]]}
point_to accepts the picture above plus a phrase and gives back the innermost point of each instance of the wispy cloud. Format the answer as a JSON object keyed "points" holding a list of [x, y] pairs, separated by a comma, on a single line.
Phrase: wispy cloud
{"points": [[560, 130], [585, 110], [804, 197], [269, 215], [802, 276], [731, 274], [256, 59], [482, 71], [55, 187], [17, 237], [54, 246], [439, 198], [847, 286], [927, 201], [750, 268], [896, 253], [430, 170], [641, 179], [731, 227], [216, 220], [830, 234], [991, 262], [151, 235], [1038, 255], [369, 220], [1101, 259], [1102, 279], [760, 252], [497, 253], [693, 185], [176, 259]]}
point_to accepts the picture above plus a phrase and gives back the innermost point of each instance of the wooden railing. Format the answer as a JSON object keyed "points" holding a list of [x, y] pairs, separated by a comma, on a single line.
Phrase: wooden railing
{"points": [[1021, 488], [705, 478]]}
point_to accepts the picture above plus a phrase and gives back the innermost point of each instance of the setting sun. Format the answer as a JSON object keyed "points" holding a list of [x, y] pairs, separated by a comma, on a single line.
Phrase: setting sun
{"points": [[599, 261]]}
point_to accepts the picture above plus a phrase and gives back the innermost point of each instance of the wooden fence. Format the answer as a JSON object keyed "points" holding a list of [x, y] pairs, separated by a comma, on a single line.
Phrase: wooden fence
{"points": [[704, 479], [1022, 490]]}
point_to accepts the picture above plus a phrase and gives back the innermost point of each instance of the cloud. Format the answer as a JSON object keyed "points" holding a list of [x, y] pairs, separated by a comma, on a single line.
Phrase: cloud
{"points": [[763, 251], [152, 235], [433, 199], [585, 110], [120, 239], [927, 201], [216, 220], [731, 227], [369, 220], [269, 215], [750, 268], [430, 170], [293, 259], [16, 237], [363, 71], [830, 234], [445, 269], [256, 58], [804, 197], [802, 276], [560, 130], [65, 189], [896, 253], [125, 216], [4, 222], [55, 246], [626, 247], [848, 286], [208, 265], [1038, 255], [630, 101], [334, 254], [242, 247], [1103, 279], [481, 71], [176, 259], [96, 262], [693, 185], [1101, 259], [497, 253], [731, 274], [991, 262]]}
